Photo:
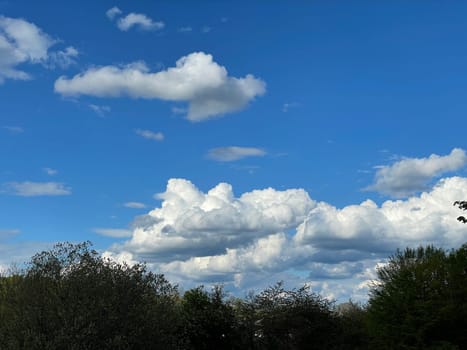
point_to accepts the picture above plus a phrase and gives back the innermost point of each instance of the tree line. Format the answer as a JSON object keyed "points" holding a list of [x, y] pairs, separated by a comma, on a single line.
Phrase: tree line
{"points": [[70, 297]]}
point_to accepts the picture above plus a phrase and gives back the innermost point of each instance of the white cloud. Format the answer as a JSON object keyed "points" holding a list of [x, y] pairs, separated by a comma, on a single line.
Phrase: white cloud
{"points": [[63, 58], [264, 234], [196, 79], [113, 232], [191, 222], [140, 21], [100, 110], [23, 42], [113, 12], [134, 205], [232, 153], [428, 218], [20, 42], [411, 175], [14, 129], [50, 171], [34, 189], [150, 135], [287, 106]]}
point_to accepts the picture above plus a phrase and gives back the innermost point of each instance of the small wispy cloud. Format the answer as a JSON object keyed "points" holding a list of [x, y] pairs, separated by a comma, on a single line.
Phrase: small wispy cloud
{"points": [[134, 205], [113, 12], [150, 135], [63, 58], [50, 171], [233, 153], [13, 129], [112, 232], [99, 110], [140, 21], [35, 189], [287, 106], [185, 29], [137, 20]]}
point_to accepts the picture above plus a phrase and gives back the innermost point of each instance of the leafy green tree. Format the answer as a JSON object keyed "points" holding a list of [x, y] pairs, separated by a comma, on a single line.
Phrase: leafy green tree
{"points": [[209, 321], [71, 298], [352, 318], [411, 305], [294, 319]]}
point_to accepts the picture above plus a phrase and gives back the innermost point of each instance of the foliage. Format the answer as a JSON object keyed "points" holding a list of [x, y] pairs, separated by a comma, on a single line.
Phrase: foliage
{"points": [[71, 298], [463, 206], [353, 331], [291, 319], [420, 300], [209, 321]]}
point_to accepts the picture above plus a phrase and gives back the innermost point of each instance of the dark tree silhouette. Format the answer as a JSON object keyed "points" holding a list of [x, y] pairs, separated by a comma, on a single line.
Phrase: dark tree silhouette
{"points": [[420, 300], [463, 206]]}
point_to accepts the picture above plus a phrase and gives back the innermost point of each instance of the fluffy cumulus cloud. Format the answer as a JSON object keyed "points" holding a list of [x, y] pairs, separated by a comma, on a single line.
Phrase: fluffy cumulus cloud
{"points": [[232, 153], [196, 79], [268, 234], [35, 189], [193, 223], [23, 42], [411, 175]]}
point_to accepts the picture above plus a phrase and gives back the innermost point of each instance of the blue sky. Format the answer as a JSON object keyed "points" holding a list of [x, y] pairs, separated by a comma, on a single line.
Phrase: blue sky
{"points": [[240, 143]]}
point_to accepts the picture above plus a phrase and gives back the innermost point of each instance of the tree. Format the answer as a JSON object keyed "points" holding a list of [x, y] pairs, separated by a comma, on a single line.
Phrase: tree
{"points": [[71, 298], [209, 321], [413, 302], [463, 206], [294, 319], [353, 330]]}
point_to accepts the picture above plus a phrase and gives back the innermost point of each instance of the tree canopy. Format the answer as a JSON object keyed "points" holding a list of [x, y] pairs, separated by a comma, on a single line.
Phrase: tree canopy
{"points": [[70, 297], [420, 300]]}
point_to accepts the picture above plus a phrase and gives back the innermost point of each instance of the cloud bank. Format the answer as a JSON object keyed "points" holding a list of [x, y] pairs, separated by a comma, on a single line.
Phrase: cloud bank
{"points": [[196, 79], [264, 234]]}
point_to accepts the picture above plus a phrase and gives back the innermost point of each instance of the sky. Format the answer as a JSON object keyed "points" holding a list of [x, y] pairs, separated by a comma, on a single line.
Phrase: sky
{"points": [[240, 143]]}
